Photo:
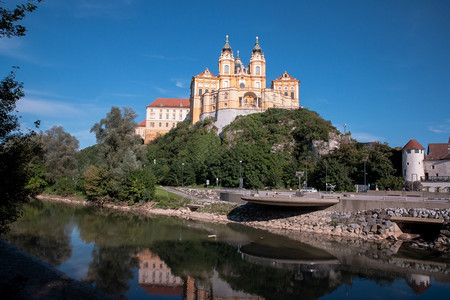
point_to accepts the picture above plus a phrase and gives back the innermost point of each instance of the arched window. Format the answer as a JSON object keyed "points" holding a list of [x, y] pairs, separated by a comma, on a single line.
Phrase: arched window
{"points": [[227, 69], [258, 70], [285, 93], [257, 84], [225, 84], [242, 85], [292, 95]]}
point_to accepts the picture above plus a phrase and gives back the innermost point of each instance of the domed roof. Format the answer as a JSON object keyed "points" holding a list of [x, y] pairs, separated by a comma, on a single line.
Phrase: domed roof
{"points": [[227, 46], [257, 47]]}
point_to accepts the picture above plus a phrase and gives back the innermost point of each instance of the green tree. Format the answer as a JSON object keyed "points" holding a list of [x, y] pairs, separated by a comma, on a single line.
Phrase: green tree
{"points": [[96, 183], [120, 150], [10, 17], [16, 149], [139, 186], [391, 183], [37, 183], [59, 154], [333, 172]]}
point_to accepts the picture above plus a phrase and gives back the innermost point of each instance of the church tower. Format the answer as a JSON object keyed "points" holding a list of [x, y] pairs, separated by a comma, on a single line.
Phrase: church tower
{"points": [[226, 66], [257, 67]]}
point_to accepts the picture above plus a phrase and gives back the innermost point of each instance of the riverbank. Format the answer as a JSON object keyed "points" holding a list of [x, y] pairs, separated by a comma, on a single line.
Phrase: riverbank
{"points": [[371, 225]]}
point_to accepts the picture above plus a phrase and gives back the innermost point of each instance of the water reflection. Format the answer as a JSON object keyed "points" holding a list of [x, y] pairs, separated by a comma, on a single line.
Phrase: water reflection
{"points": [[134, 257], [156, 277]]}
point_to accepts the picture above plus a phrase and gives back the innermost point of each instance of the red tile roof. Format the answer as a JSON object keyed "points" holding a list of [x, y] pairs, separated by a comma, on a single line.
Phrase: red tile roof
{"points": [[438, 151], [170, 102], [142, 124], [413, 144]]}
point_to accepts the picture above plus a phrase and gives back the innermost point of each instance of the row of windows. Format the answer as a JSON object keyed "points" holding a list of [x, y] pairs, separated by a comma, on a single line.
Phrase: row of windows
{"points": [[160, 124], [415, 151], [200, 91], [227, 69], [180, 117], [285, 88], [167, 110]]}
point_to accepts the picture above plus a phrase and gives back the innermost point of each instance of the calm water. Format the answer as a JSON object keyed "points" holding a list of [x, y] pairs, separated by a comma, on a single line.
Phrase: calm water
{"points": [[167, 258]]}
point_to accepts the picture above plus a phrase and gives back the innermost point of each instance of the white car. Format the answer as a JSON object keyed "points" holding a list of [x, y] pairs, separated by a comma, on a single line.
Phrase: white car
{"points": [[308, 190]]}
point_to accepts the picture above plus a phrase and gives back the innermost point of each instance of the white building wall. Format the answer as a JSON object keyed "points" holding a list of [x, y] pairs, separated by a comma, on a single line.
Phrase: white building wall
{"points": [[412, 164]]}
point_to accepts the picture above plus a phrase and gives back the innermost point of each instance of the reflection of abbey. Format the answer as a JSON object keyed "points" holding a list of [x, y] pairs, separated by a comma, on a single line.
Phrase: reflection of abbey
{"points": [[237, 89]]}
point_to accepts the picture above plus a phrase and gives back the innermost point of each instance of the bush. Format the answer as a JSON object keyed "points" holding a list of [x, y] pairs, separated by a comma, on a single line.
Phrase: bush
{"points": [[96, 183], [393, 183], [64, 186], [139, 186]]}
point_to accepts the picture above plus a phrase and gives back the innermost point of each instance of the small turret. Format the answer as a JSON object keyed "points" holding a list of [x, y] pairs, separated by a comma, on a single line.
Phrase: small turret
{"points": [[257, 47], [227, 46]]}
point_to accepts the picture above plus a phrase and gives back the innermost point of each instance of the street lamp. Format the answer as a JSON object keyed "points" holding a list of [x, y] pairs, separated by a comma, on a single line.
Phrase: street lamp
{"points": [[240, 175], [365, 181], [326, 177], [182, 174], [306, 172]]}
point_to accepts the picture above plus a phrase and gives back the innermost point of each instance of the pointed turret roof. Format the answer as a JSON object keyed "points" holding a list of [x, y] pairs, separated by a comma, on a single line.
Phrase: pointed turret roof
{"points": [[257, 47], [238, 61], [227, 46], [413, 144]]}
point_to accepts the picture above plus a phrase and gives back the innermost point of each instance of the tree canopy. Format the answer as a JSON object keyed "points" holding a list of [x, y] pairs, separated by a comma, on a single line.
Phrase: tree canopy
{"points": [[16, 148], [267, 149]]}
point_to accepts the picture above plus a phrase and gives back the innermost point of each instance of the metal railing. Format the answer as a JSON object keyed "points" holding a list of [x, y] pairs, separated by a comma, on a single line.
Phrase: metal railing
{"points": [[435, 178]]}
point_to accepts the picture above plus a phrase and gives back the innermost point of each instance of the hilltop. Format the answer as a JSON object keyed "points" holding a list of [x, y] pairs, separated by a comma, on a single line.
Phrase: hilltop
{"points": [[267, 149]]}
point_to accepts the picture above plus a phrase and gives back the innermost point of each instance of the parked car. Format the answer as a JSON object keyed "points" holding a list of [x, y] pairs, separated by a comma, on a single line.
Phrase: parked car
{"points": [[308, 190]]}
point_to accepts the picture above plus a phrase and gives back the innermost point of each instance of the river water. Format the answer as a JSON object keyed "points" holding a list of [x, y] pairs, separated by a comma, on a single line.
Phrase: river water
{"points": [[167, 258]]}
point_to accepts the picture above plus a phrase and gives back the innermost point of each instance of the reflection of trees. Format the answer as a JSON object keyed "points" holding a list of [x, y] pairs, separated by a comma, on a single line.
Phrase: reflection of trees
{"points": [[111, 268], [43, 233], [200, 258]]}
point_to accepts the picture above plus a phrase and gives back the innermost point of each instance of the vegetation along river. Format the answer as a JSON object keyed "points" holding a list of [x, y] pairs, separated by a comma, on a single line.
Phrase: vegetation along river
{"points": [[136, 257]]}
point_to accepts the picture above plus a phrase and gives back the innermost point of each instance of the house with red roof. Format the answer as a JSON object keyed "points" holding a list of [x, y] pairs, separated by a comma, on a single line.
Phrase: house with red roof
{"points": [[161, 116]]}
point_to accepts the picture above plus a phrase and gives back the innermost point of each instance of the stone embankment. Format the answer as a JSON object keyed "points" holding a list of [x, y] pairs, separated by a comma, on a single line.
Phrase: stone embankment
{"points": [[373, 225], [368, 225]]}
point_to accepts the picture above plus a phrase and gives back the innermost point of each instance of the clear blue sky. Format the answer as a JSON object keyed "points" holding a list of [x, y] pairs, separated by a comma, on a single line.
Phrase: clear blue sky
{"points": [[381, 67]]}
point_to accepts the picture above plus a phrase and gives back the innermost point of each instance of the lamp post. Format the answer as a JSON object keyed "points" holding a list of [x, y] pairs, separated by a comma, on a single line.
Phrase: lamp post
{"points": [[182, 174], [240, 175], [326, 177], [365, 179], [306, 173]]}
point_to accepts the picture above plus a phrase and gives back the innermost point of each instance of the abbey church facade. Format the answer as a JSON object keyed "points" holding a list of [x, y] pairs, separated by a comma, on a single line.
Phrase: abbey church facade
{"points": [[239, 89]]}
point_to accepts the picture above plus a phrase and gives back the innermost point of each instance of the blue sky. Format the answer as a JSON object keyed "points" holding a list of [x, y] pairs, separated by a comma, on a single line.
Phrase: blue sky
{"points": [[381, 67]]}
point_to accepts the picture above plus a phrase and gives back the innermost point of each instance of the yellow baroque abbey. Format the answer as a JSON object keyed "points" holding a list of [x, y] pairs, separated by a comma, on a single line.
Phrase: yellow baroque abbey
{"points": [[239, 89], [236, 90]]}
